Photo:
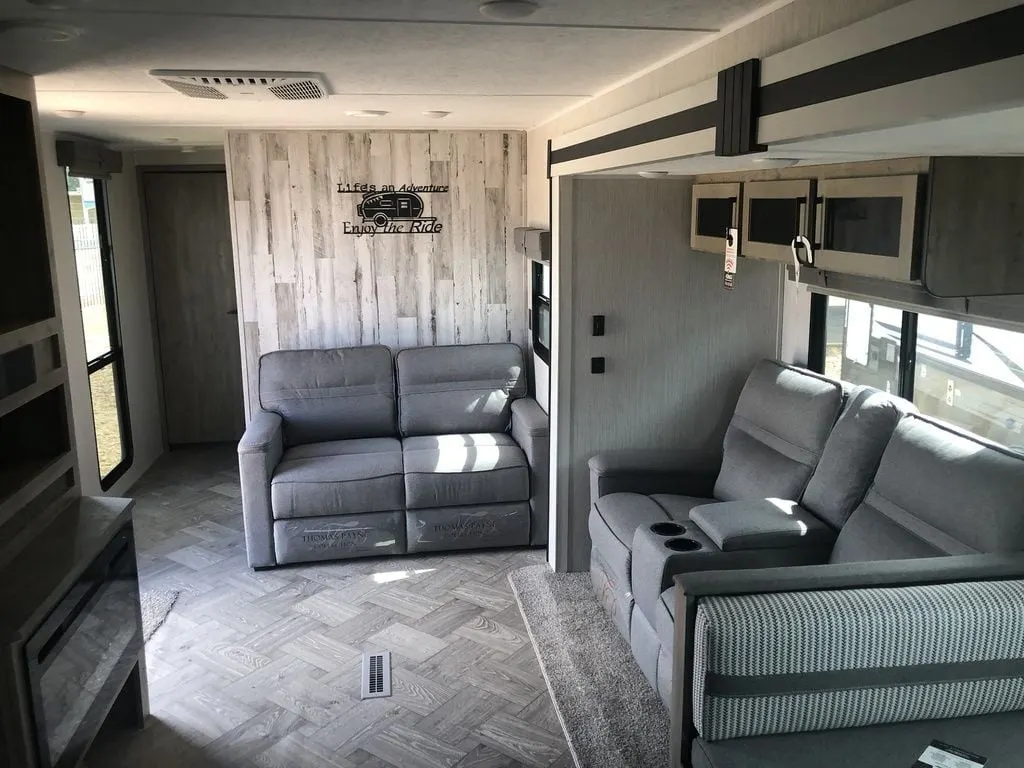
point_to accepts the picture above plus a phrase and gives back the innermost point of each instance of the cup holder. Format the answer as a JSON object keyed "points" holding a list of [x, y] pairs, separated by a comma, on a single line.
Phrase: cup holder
{"points": [[668, 529], [682, 545]]}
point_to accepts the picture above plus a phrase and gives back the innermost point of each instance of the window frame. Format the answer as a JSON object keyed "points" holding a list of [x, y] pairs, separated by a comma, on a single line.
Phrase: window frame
{"points": [[114, 357], [908, 349]]}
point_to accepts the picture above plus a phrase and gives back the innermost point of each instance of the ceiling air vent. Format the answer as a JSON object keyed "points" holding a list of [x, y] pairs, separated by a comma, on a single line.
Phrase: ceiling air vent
{"points": [[248, 86]]}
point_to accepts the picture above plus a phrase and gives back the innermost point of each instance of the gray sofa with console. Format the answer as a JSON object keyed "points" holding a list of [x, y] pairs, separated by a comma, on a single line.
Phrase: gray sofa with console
{"points": [[357, 453], [883, 488]]}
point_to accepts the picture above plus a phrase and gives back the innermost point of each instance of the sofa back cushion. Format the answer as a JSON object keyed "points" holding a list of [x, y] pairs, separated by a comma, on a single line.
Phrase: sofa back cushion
{"points": [[938, 491], [852, 453], [447, 390], [330, 394], [777, 432], [788, 662]]}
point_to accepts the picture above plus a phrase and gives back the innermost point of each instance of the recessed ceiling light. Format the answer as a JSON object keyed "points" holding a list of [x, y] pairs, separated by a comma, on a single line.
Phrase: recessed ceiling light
{"points": [[170, 140], [437, 114], [652, 174], [366, 112], [39, 31], [69, 114], [508, 10], [776, 162], [188, 150]]}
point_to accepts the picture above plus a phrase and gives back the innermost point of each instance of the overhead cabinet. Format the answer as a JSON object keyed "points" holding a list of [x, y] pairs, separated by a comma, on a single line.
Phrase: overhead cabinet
{"points": [[715, 210], [863, 226], [975, 241], [957, 229], [870, 226], [774, 214]]}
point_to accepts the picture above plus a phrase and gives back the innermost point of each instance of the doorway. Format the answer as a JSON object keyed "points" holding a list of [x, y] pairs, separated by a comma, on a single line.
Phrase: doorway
{"points": [[189, 240]]}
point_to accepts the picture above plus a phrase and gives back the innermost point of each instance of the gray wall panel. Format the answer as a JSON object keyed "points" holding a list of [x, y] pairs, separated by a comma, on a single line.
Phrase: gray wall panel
{"points": [[678, 346]]}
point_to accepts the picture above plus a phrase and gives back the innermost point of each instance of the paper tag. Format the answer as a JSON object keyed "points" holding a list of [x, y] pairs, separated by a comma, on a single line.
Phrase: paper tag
{"points": [[940, 755], [732, 237]]}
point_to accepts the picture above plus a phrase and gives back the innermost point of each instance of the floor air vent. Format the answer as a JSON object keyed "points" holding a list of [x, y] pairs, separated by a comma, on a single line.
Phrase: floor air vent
{"points": [[247, 86], [376, 675]]}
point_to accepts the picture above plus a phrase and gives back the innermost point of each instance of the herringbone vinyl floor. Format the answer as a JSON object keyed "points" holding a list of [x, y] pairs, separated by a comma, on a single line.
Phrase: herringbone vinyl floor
{"points": [[263, 669]]}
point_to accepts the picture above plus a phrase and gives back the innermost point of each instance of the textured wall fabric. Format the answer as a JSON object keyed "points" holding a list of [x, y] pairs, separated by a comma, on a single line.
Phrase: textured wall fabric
{"points": [[878, 645]]}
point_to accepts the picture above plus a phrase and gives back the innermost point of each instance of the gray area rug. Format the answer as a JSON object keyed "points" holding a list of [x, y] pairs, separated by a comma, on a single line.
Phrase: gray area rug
{"points": [[610, 715], [156, 606]]}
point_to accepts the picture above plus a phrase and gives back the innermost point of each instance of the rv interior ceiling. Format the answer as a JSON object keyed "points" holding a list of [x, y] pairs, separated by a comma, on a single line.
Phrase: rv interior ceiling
{"points": [[545, 383]]}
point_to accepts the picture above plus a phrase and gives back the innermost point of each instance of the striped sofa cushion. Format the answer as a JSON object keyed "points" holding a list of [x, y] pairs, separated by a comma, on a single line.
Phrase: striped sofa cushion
{"points": [[811, 661]]}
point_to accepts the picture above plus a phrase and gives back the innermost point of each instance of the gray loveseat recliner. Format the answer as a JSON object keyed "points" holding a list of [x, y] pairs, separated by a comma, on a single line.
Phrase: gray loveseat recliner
{"points": [[354, 453], [870, 623]]}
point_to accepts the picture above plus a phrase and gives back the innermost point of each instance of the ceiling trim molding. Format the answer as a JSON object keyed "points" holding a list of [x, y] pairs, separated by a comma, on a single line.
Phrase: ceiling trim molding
{"points": [[974, 50], [964, 45]]}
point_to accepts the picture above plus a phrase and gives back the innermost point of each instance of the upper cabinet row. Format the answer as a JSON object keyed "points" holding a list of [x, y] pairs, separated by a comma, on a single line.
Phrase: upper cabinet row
{"points": [[958, 229]]}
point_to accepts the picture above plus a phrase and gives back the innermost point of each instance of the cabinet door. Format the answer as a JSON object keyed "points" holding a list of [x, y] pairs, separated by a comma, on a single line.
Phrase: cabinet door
{"points": [[975, 242], [715, 208], [869, 226], [774, 213]]}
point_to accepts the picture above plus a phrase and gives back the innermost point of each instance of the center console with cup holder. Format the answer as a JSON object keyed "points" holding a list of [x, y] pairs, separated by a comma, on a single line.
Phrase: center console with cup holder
{"points": [[663, 549]]}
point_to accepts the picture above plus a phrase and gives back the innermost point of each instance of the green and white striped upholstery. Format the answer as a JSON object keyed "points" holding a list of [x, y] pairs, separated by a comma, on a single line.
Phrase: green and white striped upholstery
{"points": [[809, 661]]}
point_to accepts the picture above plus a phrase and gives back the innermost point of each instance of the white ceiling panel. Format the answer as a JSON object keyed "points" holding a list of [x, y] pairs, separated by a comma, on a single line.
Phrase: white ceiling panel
{"points": [[405, 56]]}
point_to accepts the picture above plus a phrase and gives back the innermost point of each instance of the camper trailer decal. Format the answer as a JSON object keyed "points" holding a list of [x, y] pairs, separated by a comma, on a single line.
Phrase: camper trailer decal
{"points": [[390, 210]]}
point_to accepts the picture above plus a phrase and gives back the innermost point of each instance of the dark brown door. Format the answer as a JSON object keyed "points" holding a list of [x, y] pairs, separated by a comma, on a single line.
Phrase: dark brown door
{"points": [[197, 321]]}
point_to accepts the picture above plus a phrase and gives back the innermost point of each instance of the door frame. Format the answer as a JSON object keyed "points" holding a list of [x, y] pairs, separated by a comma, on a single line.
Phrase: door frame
{"points": [[141, 172]]}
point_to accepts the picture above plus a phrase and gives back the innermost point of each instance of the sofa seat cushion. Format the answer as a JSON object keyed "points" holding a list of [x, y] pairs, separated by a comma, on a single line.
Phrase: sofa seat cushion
{"points": [[615, 518], [1000, 738], [762, 524], [342, 477], [465, 469]]}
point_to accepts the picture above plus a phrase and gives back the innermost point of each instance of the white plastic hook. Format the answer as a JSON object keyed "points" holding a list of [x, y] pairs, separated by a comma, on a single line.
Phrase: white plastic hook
{"points": [[801, 242]]}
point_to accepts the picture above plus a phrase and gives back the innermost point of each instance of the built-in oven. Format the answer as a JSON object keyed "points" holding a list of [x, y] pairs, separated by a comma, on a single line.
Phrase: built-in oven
{"points": [[715, 210], [540, 304], [774, 214], [870, 226], [82, 654]]}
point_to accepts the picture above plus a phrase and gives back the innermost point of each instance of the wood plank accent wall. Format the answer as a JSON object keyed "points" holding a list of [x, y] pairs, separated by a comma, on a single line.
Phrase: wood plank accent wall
{"points": [[304, 283]]}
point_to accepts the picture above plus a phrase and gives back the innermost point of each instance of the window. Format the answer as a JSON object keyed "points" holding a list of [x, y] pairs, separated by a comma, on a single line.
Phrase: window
{"points": [[962, 372], [104, 356], [863, 343], [971, 375]]}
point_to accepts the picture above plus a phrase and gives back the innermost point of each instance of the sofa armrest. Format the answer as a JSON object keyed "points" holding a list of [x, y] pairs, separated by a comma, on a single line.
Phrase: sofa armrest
{"points": [[688, 473], [693, 588], [259, 452], [530, 429]]}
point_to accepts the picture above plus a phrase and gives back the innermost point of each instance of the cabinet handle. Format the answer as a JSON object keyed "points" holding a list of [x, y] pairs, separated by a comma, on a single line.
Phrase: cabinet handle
{"points": [[819, 222]]}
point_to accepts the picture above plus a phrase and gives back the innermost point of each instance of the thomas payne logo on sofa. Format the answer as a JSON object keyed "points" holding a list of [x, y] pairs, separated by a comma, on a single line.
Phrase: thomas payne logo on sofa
{"points": [[466, 528], [331, 538], [391, 210]]}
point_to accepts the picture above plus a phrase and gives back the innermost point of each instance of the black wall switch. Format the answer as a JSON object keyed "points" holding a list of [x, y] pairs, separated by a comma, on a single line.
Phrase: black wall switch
{"points": [[597, 365], [598, 325]]}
